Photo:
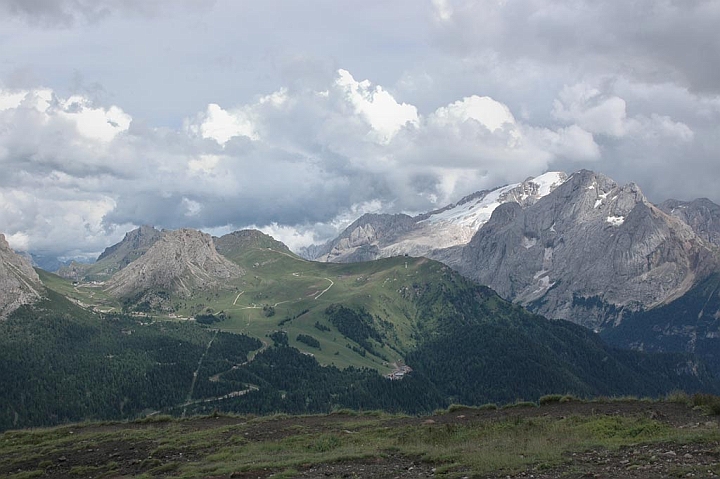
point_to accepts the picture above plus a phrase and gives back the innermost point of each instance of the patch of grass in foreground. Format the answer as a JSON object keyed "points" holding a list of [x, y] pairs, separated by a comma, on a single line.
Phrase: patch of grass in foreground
{"points": [[286, 444]]}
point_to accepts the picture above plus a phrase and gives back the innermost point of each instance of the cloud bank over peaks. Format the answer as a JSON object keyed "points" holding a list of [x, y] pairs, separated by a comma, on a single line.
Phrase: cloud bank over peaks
{"points": [[300, 163]]}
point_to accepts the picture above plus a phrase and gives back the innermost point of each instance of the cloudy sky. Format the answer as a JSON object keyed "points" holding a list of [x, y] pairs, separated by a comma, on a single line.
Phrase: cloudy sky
{"points": [[297, 117]]}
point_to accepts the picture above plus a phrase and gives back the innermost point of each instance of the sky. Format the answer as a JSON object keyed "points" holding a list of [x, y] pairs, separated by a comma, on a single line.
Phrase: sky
{"points": [[298, 117]]}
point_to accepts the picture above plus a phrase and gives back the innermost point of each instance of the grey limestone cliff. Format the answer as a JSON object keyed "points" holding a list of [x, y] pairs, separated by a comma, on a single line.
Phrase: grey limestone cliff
{"points": [[435, 234], [19, 283], [180, 262], [702, 215], [114, 258], [586, 252]]}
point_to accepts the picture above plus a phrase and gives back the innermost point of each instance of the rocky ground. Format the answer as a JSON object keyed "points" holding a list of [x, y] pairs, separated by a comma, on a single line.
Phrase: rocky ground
{"points": [[131, 449]]}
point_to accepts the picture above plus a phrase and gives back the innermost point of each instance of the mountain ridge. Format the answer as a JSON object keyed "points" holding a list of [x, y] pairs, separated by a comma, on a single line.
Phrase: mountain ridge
{"points": [[614, 251], [590, 238], [374, 236]]}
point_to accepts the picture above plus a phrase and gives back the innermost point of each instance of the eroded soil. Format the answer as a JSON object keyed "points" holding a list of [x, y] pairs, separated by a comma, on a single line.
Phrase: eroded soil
{"points": [[131, 449]]}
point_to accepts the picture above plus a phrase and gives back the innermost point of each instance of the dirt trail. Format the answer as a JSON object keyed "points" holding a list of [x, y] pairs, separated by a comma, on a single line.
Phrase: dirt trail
{"points": [[326, 289], [188, 401], [237, 297]]}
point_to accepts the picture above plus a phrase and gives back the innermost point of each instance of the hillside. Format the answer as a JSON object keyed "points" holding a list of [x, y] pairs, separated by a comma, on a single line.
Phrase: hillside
{"points": [[301, 337], [687, 324]]}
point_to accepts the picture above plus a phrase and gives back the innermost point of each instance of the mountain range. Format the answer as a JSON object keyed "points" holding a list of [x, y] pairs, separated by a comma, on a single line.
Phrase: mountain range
{"points": [[576, 248]]}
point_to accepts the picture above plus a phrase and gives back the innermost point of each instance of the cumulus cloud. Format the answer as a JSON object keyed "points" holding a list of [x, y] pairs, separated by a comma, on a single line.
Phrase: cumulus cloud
{"points": [[377, 106], [197, 117], [586, 107], [313, 160], [221, 125]]}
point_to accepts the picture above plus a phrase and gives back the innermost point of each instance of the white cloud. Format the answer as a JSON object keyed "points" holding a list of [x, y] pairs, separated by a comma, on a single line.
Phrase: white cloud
{"points": [[204, 164], [588, 108], [492, 114], [221, 125], [10, 100], [94, 123], [293, 237], [97, 123], [52, 220], [572, 143], [377, 106], [443, 9], [192, 207], [592, 111]]}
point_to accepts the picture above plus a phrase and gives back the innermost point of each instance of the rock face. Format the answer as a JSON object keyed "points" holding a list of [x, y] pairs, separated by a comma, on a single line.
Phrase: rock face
{"points": [[365, 239], [19, 283], [180, 262], [116, 257], [134, 245], [432, 234], [581, 248], [587, 252], [702, 215]]}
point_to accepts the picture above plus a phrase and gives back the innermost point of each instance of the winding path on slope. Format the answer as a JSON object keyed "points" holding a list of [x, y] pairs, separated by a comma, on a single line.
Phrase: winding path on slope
{"points": [[326, 289]]}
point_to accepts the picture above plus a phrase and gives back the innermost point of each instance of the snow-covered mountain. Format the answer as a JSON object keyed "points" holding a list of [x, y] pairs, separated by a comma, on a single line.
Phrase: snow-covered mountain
{"points": [[581, 248], [375, 236], [591, 251]]}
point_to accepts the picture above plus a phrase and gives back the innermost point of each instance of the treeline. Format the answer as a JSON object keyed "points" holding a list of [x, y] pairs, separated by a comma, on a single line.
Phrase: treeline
{"points": [[60, 363], [292, 382], [355, 324]]}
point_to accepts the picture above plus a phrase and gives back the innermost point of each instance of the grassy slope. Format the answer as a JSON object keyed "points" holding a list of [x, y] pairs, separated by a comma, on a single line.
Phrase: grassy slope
{"points": [[464, 342], [549, 441], [291, 286]]}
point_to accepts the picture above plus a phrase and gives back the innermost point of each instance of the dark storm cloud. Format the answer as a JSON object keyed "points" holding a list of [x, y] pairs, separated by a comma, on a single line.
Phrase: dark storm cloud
{"points": [[650, 40], [66, 13]]}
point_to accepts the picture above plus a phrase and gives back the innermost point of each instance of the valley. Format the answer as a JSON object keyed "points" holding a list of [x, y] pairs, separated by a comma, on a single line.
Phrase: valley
{"points": [[181, 323]]}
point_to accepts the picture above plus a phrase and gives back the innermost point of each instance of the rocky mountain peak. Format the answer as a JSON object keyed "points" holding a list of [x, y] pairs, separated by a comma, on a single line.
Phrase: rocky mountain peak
{"points": [[19, 283], [179, 262], [586, 251], [114, 258], [138, 239], [375, 236]]}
